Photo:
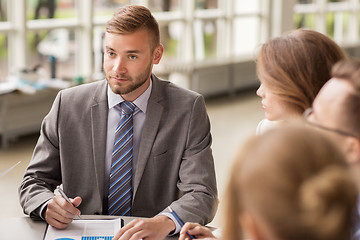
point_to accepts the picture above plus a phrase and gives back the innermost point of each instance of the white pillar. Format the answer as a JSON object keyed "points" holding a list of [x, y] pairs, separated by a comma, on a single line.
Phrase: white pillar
{"points": [[225, 30], [266, 11], [353, 26], [84, 56], [282, 16], [186, 44], [18, 47], [320, 20]]}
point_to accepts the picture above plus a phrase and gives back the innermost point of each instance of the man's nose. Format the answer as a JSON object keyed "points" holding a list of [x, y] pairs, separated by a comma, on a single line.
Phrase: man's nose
{"points": [[119, 66]]}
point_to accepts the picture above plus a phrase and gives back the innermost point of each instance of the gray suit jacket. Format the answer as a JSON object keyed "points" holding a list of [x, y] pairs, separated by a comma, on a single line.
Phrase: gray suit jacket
{"points": [[175, 165]]}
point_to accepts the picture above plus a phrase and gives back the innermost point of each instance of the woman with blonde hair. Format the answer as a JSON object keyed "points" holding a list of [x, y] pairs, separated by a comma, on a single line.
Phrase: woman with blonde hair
{"points": [[289, 183], [292, 68]]}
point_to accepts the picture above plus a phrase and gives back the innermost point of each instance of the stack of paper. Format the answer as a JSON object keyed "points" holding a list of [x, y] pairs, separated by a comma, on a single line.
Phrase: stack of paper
{"points": [[85, 230]]}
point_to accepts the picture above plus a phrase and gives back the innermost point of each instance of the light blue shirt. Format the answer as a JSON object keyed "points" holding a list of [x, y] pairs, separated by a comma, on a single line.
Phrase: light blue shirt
{"points": [[113, 121]]}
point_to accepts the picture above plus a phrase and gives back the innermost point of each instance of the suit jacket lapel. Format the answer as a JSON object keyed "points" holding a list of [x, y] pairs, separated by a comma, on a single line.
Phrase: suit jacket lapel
{"points": [[151, 125], [99, 113]]}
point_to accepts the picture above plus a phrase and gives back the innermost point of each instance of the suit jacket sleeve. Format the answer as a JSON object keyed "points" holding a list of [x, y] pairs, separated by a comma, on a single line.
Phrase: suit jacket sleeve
{"points": [[43, 172], [197, 181], [70, 150]]}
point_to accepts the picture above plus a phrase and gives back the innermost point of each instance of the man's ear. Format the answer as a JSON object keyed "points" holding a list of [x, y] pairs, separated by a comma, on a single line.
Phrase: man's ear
{"points": [[158, 52], [353, 150]]}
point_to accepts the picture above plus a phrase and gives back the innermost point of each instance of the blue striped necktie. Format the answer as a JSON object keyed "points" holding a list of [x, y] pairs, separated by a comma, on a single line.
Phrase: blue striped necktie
{"points": [[120, 188]]}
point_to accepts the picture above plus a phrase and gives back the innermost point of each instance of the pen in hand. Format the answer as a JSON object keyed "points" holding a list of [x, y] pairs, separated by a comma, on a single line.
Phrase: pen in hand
{"points": [[178, 219], [65, 197]]}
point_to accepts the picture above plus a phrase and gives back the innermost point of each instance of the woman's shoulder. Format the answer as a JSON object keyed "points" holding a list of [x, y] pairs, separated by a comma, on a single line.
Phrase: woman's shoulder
{"points": [[265, 125]]}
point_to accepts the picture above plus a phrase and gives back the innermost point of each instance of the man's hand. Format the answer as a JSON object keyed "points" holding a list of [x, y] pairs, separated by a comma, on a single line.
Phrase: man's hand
{"points": [[195, 229], [156, 228], [59, 213]]}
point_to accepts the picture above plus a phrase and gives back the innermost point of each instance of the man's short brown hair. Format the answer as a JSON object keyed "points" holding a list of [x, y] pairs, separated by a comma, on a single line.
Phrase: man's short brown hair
{"points": [[131, 18], [349, 71]]}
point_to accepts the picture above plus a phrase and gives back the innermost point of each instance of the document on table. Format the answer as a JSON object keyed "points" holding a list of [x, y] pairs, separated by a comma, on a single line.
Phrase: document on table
{"points": [[85, 230]]}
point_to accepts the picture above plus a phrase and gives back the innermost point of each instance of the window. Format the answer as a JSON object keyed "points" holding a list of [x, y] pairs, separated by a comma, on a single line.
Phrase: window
{"points": [[56, 47], [338, 19], [247, 20], [106, 8], [191, 31], [4, 26], [3, 57], [47, 9]]}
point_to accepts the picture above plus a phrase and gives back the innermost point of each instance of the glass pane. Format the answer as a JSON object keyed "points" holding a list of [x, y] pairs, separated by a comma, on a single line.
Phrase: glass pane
{"points": [[164, 5], [107, 7], [210, 38], [98, 38], [170, 36], [3, 11], [358, 17], [205, 33], [245, 6], [306, 1], [42, 9], [3, 57], [52, 53], [248, 44], [330, 24], [338, 26], [206, 4], [303, 20]]}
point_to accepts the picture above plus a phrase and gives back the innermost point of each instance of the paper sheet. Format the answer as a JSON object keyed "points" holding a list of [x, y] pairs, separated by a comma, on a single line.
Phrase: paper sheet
{"points": [[85, 230]]}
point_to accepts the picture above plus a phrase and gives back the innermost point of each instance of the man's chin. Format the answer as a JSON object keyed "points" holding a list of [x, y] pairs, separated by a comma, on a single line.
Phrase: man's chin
{"points": [[117, 89]]}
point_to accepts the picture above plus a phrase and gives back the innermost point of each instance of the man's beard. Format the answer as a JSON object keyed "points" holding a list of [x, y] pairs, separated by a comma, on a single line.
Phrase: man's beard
{"points": [[133, 84]]}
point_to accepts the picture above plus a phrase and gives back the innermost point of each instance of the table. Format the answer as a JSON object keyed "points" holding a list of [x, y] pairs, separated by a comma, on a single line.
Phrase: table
{"points": [[25, 228]]}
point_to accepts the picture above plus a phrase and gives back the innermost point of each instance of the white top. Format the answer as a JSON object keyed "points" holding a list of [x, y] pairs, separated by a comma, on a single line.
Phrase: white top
{"points": [[265, 125]]}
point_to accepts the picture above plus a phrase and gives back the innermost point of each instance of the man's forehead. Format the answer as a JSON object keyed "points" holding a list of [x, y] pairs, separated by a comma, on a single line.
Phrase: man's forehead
{"points": [[335, 88], [127, 42], [330, 99]]}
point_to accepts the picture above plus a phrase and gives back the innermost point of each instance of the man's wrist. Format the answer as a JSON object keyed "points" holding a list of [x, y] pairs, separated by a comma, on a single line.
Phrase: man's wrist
{"points": [[167, 222]]}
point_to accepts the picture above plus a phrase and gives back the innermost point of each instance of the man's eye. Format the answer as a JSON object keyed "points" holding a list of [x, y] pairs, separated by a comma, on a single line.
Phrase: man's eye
{"points": [[111, 54], [132, 57]]}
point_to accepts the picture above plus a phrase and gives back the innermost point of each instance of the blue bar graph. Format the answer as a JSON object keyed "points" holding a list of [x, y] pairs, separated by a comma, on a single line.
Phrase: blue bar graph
{"points": [[97, 237]]}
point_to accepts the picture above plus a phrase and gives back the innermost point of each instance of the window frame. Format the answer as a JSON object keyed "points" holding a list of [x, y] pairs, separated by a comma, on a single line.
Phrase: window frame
{"points": [[84, 24]]}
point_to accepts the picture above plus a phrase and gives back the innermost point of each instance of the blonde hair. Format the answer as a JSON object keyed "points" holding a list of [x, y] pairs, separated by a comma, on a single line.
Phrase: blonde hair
{"points": [[296, 65], [131, 18], [297, 181]]}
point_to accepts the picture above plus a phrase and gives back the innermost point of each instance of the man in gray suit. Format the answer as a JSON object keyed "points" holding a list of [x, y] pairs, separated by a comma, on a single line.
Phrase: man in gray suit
{"points": [[171, 158]]}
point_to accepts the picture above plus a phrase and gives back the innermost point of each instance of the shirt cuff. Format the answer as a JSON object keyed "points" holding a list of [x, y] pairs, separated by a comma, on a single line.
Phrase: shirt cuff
{"points": [[40, 210], [177, 225]]}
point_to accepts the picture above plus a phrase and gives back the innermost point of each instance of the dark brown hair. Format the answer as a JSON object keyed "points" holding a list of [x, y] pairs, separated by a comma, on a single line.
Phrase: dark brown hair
{"points": [[296, 65]]}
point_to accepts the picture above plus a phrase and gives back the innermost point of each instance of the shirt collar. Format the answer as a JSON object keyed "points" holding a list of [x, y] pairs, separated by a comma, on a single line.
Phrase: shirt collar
{"points": [[141, 102]]}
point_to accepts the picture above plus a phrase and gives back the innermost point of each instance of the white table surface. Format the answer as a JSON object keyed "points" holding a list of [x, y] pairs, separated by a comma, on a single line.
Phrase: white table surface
{"points": [[19, 228]]}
